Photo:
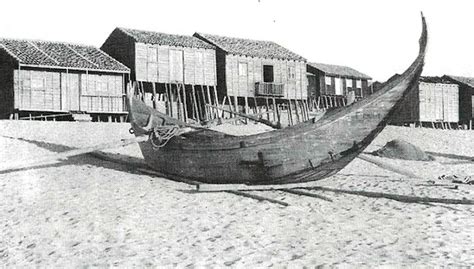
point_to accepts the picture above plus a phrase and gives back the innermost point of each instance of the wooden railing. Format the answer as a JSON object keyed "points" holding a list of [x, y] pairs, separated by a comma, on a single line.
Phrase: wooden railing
{"points": [[269, 89]]}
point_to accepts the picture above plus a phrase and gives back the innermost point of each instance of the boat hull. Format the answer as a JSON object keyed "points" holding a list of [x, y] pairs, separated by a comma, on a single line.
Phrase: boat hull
{"points": [[308, 151]]}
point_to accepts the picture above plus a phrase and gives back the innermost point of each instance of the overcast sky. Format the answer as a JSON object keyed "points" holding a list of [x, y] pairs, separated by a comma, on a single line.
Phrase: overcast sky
{"points": [[376, 37]]}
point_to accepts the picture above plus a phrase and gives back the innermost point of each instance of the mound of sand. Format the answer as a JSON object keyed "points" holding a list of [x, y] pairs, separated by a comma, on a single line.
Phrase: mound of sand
{"points": [[399, 149]]}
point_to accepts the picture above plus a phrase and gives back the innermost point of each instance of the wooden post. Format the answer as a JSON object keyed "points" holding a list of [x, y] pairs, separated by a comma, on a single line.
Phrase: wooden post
{"points": [[236, 103], [154, 95], [246, 108], [206, 108], [223, 103], [196, 110], [211, 112], [178, 102], [185, 105], [274, 108], [231, 107], [277, 107], [216, 99], [296, 111], [167, 107], [290, 116], [268, 114]]}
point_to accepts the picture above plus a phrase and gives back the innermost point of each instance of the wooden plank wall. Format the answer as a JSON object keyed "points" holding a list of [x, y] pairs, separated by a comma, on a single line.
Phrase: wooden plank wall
{"points": [[122, 48], [64, 91], [330, 89], [39, 90], [7, 102], [244, 86], [102, 93], [152, 64], [438, 102]]}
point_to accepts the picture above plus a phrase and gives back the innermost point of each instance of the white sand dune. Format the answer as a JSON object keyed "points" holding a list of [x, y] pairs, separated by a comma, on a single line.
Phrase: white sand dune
{"points": [[88, 212]]}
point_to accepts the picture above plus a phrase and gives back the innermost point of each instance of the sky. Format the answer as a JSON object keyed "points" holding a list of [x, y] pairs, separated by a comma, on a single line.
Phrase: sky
{"points": [[376, 37]]}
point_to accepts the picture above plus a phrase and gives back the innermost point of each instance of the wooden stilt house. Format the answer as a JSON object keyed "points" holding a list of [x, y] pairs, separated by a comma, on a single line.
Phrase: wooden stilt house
{"points": [[255, 71], [173, 73], [331, 84], [466, 98], [40, 79], [434, 101]]}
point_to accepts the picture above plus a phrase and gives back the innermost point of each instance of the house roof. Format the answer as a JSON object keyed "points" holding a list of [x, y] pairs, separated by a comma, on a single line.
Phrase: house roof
{"points": [[466, 80], [62, 55], [252, 48], [339, 70], [150, 37], [441, 80]]}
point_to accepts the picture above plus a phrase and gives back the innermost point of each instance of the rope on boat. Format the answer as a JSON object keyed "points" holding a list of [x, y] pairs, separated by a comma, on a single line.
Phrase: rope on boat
{"points": [[160, 135]]}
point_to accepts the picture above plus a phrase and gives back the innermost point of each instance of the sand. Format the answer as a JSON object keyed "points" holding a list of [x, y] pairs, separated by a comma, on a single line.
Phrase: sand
{"points": [[87, 212]]}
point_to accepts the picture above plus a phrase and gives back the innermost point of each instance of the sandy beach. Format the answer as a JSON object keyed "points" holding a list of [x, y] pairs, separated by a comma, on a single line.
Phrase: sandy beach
{"points": [[86, 212]]}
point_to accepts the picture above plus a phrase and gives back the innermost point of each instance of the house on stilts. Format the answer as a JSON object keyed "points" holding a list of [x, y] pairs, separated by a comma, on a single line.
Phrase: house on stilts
{"points": [[335, 85], [176, 74], [255, 73], [42, 80], [438, 102]]}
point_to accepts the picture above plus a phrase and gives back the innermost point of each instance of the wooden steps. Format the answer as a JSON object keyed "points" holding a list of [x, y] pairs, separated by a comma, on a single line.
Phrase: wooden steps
{"points": [[81, 117]]}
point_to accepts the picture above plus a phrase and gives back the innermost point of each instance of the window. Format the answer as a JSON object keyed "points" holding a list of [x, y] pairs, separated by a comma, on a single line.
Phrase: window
{"points": [[358, 83], [268, 73], [243, 69], [328, 81], [291, 72], [348, 83]]}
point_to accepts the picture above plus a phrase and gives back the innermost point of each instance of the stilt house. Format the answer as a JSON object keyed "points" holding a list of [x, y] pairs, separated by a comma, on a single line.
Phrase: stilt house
{"points": [[433, 101], [336, 80], [466, 97], [41, 77], [177, 72], [254, 69]]}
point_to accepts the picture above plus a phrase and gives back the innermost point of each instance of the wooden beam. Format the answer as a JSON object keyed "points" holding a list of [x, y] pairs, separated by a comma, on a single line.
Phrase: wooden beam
{"points": [[154, 95], [258, 197], [385, 165], [304, 193], [185, 105], [251, 117], [178, 102]]}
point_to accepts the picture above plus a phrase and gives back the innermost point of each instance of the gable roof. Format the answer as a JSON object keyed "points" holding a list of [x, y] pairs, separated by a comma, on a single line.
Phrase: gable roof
{"points": [[466, 80], [252, 48], [156, 38], [62, 55], [339, 70], [441, 80]]}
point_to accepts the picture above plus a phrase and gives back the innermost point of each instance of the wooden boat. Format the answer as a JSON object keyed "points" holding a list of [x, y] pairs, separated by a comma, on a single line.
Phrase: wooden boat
{"points": [[304, 152]]}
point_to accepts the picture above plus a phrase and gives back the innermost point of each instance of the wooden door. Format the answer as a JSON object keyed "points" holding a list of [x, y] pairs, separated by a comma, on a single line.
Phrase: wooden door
{"points": [[176, 66]]}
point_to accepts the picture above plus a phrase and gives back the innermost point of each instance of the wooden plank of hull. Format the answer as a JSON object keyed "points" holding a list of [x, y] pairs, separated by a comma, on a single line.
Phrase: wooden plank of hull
{"points": [[296, 153]]}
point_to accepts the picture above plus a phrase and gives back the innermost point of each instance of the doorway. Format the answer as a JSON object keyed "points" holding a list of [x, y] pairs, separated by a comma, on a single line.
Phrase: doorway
{"points": [[268, 73]]}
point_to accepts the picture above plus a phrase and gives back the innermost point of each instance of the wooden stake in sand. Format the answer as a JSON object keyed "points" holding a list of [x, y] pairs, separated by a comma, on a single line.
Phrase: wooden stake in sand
{"points": [[65, 155]]}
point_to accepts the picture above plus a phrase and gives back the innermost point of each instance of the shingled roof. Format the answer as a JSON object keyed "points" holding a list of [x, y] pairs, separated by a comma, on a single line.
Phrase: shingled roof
{"points": [[150, 37], [466, 80], [339, 70], [58, 54], [252, 48]]}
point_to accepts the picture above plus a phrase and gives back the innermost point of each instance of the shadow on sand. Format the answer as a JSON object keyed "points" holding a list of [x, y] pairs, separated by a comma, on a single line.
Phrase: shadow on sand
{"points": [[117, 162]]}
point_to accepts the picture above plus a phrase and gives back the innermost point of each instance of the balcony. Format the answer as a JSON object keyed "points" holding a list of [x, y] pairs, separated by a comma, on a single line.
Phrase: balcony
{"points": [[269, 89]]}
